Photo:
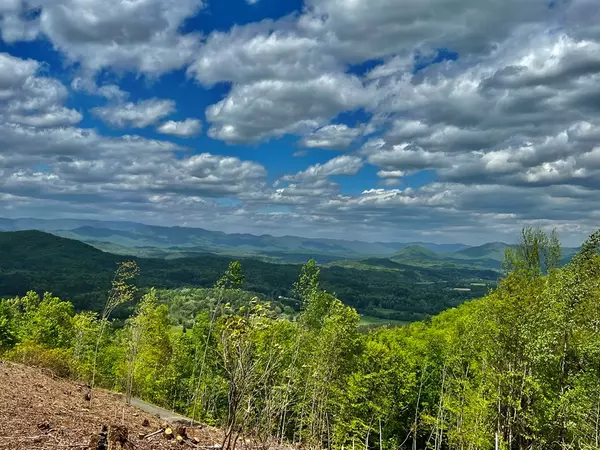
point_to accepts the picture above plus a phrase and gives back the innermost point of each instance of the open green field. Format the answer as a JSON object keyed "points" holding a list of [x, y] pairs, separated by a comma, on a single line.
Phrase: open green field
{"points": [[370, 320]]}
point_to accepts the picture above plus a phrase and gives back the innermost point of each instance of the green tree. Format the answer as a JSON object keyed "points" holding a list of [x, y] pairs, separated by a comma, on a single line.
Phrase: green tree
{"points": [[46, 321], [122, 291], [149, 351], [308, 283], [232, 279], [8, 327], [85, 329]]}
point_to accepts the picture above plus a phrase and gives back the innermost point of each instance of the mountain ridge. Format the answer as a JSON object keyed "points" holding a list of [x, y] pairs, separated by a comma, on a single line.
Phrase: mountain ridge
{"points": [[134, 235], [78, 272]]}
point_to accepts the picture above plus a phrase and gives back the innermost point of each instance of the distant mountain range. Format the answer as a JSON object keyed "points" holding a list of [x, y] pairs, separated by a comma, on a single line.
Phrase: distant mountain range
{"points": [[73, 270], [130, 238], [180, 241]]}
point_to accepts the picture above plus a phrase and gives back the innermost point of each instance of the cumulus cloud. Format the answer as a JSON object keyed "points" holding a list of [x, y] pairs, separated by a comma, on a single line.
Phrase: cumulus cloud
{"points": [[313, 185], [284, 81], [531, 132], [185, 129], [25, 145], [273, 108], [342, 165], [14, 73], [504, 134], [14, 25], [332, 137], [362, 30], [27, 98], [261, 51], [142, 36], [88, 85], [82, 166], [137, 115]]}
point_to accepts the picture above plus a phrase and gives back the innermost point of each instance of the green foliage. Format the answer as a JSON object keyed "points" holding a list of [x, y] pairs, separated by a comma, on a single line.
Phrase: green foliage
{"points": [[45, 321], [122, 290], [185, 304], [8, 326], [86, 329], [59, 361], [518, 369], [308, 282], [148, 346], [45, 263], [233, 277]]}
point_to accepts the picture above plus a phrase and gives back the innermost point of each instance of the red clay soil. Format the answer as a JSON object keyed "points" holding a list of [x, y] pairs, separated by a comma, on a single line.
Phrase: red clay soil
{"points": [[39, 411]]}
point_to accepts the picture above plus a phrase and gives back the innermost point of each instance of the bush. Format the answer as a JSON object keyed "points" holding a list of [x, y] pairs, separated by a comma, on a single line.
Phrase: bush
{"points": [[8, 328], [58, 360]]}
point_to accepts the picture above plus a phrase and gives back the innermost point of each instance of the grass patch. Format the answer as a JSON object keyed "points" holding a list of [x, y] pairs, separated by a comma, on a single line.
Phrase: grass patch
{"points": [[370, 320]]}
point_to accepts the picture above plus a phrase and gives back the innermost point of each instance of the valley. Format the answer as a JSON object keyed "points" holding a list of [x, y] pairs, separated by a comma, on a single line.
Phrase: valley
{"points": [[43, 262], [298, 366]]}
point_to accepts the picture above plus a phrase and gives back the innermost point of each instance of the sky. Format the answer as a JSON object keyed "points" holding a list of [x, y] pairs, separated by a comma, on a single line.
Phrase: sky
{"points": [[388, 120]]}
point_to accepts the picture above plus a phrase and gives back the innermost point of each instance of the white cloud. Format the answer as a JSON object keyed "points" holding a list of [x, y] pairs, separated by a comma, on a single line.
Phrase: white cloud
{"points": [[14, 72], [522, 115], [311, 186], [261, 51], [273, 108], [23, 144], [82, 166], [332, 137], [142, 36], [341, 165], [138, 115], [284, 81], [27, 98], [391, 173], [109, 91], [185, 129], [13, 26], [361, 30], [52, 117], [510, 129]]}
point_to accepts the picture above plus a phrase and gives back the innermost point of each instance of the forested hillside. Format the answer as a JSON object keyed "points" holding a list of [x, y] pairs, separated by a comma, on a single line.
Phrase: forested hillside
{"points": [[32, 260], [517, 369]]}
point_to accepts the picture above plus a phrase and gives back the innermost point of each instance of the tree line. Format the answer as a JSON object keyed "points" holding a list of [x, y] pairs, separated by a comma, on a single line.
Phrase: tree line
{"points": [[41, 262], [517, 369]]}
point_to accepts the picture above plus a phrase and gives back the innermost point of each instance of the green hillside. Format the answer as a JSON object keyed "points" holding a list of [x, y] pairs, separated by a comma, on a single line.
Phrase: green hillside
{"points": [[416, 252], [517, 369], [492, 250], [81, 273]]}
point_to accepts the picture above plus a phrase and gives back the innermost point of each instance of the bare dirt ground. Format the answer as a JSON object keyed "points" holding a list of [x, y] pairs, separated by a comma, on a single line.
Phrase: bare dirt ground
{"points": [[39, 411]]}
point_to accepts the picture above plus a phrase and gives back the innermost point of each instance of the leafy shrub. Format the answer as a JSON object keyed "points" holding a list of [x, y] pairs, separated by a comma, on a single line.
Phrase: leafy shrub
{"points": [[8, 327], [59, 361]]}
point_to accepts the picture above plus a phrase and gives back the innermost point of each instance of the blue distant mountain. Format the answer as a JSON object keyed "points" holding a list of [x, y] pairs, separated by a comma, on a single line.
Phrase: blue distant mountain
{"points": [[130, 238]]}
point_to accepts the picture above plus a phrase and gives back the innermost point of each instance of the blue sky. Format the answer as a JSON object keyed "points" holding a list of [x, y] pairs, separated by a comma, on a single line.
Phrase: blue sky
{"points": [[368, 119]]}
